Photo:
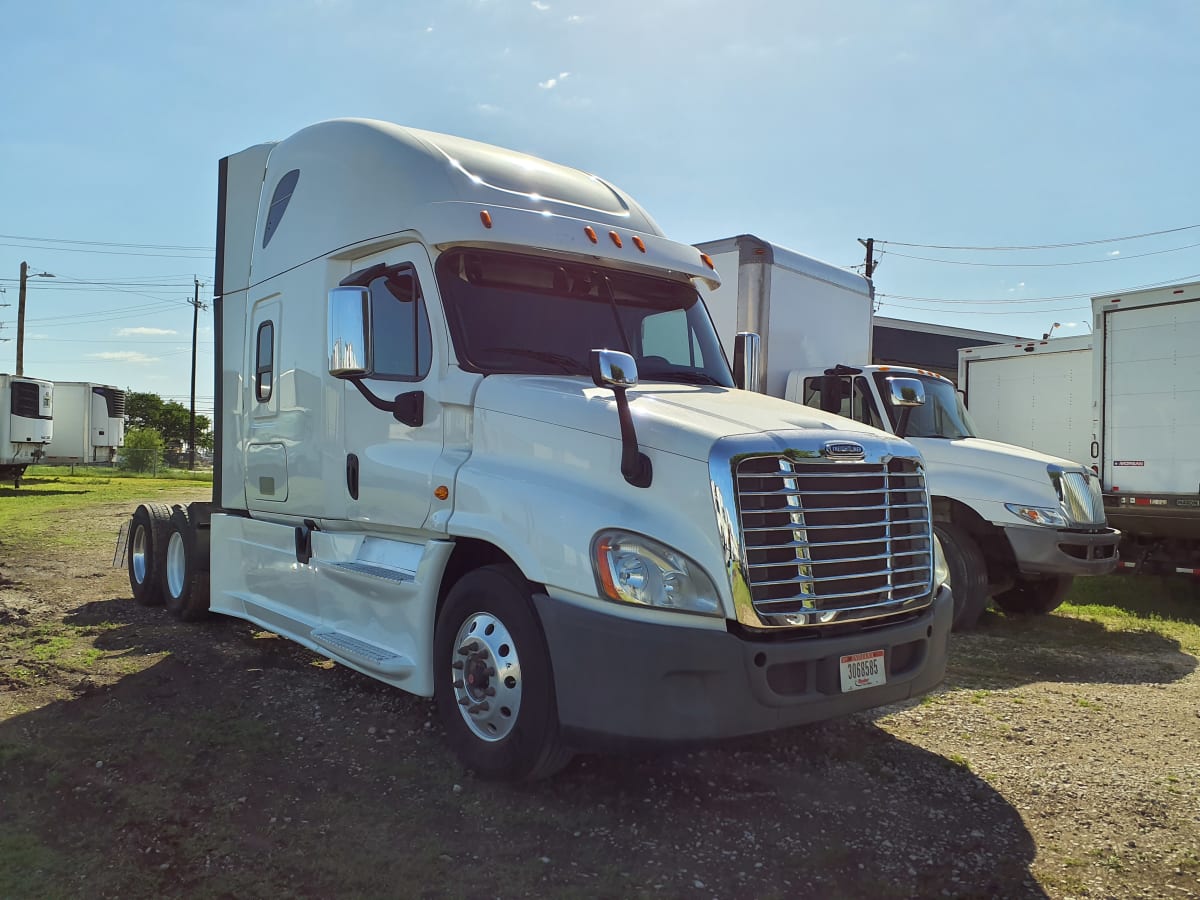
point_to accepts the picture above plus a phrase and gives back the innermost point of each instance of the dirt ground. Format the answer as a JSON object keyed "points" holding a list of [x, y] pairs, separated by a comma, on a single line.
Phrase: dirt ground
{"points": [[140, 757]]}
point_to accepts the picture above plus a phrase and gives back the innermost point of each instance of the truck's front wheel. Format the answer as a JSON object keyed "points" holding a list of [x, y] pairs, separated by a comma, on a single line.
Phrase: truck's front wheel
{"points": [[1035, 596], [968, 574], [494, 682]]}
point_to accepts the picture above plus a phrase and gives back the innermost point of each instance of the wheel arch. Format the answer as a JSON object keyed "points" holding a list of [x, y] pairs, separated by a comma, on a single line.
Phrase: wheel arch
{"points": [[997, 552]]}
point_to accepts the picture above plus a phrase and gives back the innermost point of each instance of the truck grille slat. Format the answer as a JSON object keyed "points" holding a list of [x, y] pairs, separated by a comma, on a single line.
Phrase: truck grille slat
{"points": [[799, 516]]}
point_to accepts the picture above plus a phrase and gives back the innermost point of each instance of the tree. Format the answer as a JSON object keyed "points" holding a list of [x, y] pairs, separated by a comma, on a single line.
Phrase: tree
{"points": [[142, 451], [170, 419]]}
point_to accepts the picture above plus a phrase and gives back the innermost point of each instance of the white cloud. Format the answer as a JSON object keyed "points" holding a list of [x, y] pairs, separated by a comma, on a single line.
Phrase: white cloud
{"points": [[128, 356], [550, 83], [540, 7], [574, 20], [143, 330], [429, 29], [488, 109], [1115, 253]]}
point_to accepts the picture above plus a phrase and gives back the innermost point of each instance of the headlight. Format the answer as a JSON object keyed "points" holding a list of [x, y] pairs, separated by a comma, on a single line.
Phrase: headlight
{"points": [[630, 568], [941, 568], [1038, 515]]}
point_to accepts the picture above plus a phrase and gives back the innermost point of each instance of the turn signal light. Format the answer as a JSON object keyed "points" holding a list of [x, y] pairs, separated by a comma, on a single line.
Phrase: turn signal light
{"points": [[639, 243], [590, 232], [707, 260], [486, 218], [616, 238], [441, 492]]}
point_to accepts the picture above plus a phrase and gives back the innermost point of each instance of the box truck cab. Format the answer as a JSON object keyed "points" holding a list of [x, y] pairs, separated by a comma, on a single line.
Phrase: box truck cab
{"points": [[477, 438], [1016, 525], [26, 424]]}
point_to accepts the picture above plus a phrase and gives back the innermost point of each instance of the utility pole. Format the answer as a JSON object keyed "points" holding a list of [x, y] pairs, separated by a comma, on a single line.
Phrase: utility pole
{"points": [[869, 243], [195, 327], [21, 320]]}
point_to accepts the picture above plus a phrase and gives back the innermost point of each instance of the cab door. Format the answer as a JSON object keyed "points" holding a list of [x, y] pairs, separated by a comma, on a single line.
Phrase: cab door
{"points": [[391, 455]]}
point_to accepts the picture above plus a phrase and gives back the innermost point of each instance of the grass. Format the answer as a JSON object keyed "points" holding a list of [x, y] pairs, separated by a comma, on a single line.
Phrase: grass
{"points": [[1169, 606]]}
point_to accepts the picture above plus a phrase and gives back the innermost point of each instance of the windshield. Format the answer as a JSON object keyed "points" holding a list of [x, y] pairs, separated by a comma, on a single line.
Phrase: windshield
{"points": [[942, 416], [510, 313]]}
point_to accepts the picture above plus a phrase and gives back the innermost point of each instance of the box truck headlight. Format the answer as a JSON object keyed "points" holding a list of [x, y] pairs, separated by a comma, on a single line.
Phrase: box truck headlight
{"points": [[630, 568], [941, 568], [1038, 515]]}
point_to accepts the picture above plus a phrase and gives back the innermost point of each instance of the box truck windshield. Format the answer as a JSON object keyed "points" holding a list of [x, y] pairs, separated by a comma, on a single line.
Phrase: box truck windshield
{"points": [[492, 297], [942, 416]]}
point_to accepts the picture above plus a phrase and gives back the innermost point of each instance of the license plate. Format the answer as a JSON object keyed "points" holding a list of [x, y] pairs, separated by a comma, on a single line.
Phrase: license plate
{"points": [[862, 670]]}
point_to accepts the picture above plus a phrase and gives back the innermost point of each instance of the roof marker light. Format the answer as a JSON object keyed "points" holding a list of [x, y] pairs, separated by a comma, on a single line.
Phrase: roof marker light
{"points": [[486, 218], [707, 260], [590, 232], [639, 243], [616, 239]]}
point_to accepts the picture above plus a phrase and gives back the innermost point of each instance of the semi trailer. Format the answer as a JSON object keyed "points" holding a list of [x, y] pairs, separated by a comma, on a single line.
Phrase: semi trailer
{"points": [[476, 437], [1016, 525], [90, 424], [26, 424]]}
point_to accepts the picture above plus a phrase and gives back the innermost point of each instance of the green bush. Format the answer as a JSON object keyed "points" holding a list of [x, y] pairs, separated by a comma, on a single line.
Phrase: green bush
{"points": [[142, 451]]}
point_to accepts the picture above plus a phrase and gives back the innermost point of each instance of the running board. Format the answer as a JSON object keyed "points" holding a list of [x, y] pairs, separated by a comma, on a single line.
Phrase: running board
{"points": [[371, 570], [368, 656]]}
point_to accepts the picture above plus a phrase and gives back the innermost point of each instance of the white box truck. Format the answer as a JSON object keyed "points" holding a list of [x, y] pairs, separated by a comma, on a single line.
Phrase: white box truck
{"points": [[89, 424], [26, 423], [1035, 394], [477, 438], [1146, 375], [1016, 525]]}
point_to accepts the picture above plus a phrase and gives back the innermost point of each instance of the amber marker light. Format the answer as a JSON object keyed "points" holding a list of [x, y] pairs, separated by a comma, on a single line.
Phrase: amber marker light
{"points": [[486, 218], [639, 243], [441, 492], [616, 238], [707, 260], [590, 232], [603, 546]]}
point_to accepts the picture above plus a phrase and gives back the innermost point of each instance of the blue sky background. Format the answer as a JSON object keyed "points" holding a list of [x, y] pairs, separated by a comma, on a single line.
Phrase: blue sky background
{"points": [[809, 124]]}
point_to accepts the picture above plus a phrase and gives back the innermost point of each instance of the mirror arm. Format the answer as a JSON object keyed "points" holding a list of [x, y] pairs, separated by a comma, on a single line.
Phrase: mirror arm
{"points": [[408, 408], [635, 465], [902, 421]]}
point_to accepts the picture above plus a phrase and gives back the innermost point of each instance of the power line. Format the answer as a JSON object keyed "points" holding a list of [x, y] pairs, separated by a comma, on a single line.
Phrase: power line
{"points": [[25, 237], [46, 248], [1087, 296], [1022, 265], [1130, 237]]}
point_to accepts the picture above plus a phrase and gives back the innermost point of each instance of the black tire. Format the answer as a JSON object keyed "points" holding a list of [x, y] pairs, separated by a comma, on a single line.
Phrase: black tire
{"points": [[146, 551], [1035, 596], [507, 728], [968, 574], [185, 560]]}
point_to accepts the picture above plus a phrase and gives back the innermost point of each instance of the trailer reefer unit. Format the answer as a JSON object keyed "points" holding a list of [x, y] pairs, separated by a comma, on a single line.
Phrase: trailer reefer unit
{"points": [[1146, 374], [26, 423], [476, 438], [89, 424], [1035, 394], [1016, 525]]}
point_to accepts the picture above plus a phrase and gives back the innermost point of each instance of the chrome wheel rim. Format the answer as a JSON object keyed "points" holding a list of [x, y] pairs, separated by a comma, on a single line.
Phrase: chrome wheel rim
{"points": [[138, 554], [486, 675], [176, 564]]}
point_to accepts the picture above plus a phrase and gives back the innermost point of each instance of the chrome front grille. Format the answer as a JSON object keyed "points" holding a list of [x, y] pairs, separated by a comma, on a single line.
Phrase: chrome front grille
{"points": [[832, 542], [1081, 497]]}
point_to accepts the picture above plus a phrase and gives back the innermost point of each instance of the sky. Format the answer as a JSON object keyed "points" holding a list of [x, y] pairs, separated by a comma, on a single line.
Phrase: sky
{"points": [[1066, 126]]}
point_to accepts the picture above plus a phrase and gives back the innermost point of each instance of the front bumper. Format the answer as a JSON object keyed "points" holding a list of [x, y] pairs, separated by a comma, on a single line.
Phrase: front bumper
{"points": [[1057, 551], [623, 683]]}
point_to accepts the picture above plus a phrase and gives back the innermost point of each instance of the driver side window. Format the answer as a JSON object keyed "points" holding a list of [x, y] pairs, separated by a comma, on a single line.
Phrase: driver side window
{"points": [[402, 346]]}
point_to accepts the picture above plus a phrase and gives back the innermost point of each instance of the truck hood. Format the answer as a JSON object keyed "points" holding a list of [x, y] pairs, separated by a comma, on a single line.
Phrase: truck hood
{"points": [[672, 418], [992, 457]]}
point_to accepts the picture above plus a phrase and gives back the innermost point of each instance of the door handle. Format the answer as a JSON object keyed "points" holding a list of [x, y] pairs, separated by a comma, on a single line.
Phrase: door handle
{"points": [[352, 475]]}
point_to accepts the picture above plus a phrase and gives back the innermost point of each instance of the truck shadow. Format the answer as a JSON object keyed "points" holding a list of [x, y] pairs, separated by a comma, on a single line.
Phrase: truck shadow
{"points": [[239, 763]]}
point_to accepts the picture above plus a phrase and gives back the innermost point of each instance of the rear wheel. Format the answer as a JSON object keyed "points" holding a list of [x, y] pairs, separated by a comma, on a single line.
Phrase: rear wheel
{"points": [[968, 574], [494, 682], [147, 550], [185, 569], [1035, 596]]}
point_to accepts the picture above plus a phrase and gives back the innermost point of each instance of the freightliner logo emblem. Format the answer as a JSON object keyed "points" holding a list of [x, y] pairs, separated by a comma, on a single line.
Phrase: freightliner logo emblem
{"points": [[843, 450]]}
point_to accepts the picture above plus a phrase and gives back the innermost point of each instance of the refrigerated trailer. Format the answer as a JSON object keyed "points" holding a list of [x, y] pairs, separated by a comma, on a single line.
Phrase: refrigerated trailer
{"points": [[477, 438], [1146, 373], [89, 424], [26, 423], [1035, 394]]}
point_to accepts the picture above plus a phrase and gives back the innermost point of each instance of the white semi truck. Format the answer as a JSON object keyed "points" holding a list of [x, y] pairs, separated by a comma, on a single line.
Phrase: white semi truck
{"points": [[1035, 394], [477, 438], [1016, 525], [89, 424], [26, 424], [1146, 381]]}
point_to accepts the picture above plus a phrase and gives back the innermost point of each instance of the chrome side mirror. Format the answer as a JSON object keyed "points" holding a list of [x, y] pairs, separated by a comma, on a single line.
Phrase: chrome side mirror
{"points": [[613, 369], [747, 361], [349, 332], [905, 391]]}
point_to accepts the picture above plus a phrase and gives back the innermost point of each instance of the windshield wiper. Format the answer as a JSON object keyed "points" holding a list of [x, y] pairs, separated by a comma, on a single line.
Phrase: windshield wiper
{"points": [[681, 377], [568, 364]]}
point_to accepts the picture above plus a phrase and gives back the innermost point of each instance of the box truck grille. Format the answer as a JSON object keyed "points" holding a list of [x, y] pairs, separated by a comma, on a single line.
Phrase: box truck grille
{"points": [[1082, 498], [25, 396], [831, 542]]}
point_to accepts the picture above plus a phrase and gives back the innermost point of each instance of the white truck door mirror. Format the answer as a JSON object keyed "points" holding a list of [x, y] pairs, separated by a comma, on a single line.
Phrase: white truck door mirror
{"points": [[613, 369], [349, 332], [905, 391]]}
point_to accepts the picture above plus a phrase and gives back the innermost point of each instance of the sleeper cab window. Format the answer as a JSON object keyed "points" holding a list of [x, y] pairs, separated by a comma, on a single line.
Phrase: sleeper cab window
{"points": [[402, 346], [264, 361]]}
